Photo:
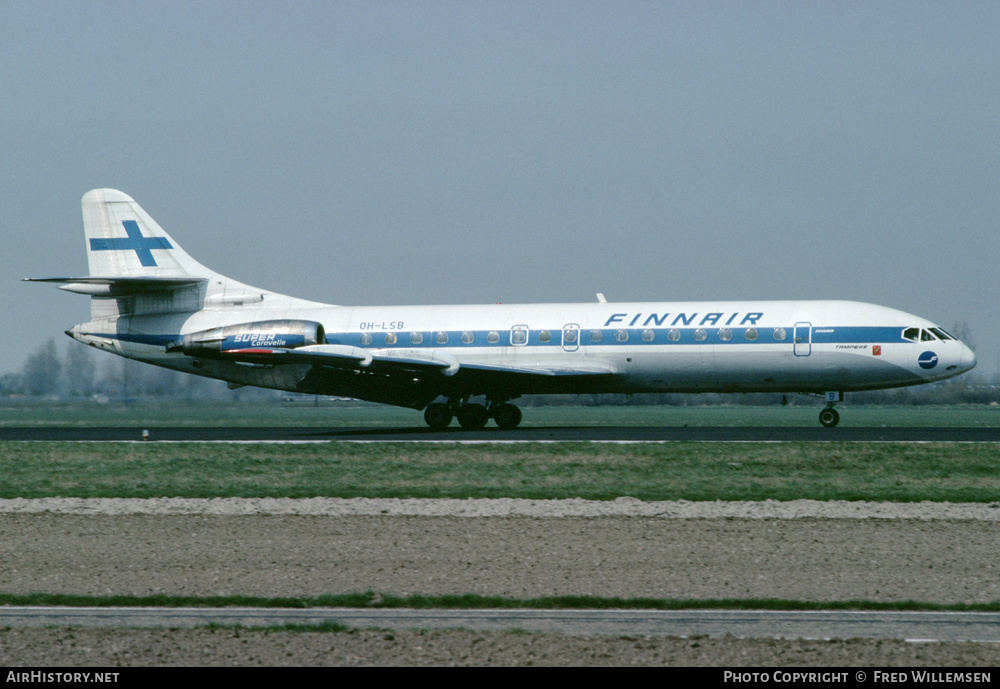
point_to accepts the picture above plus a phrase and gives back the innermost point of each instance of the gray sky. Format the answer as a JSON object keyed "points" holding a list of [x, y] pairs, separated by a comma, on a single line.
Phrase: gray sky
{"points": [[475, 152]]}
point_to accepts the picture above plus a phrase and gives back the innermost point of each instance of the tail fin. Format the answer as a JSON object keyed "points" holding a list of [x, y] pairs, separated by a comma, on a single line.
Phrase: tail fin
{"points": [[136, 268], [124, 241]]}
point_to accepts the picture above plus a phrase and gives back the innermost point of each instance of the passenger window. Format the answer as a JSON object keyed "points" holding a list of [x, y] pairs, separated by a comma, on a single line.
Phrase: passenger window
{"points": [[725, 334], [390, 338], [366, 339], [545, 336], [700, 334], [648, 335], [518, 336], [442, 338], [622, 335], [416, 338], [569, 335], [596, 335], [674, 335], [493, 337], [779, 334], [751, 334], [467, 337]]}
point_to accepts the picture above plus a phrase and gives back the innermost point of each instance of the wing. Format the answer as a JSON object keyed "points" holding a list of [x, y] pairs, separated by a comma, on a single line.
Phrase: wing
{"points": [[413, 360], [345, 356]]}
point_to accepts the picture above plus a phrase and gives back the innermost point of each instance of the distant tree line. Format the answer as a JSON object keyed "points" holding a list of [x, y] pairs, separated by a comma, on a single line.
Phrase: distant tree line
{"points": [[80, 372]]}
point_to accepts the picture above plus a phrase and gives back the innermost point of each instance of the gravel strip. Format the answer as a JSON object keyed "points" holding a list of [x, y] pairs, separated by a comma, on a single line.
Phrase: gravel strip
{"points": [[507, 507], [804, 549]]}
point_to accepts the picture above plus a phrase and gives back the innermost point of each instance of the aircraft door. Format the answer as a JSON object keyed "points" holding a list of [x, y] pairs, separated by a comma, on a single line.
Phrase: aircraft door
{"points": [[571, 337], [802, 337]]}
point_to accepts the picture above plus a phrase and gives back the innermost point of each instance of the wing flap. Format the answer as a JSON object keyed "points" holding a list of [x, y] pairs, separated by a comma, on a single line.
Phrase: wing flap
{"points": [[589, 368]]}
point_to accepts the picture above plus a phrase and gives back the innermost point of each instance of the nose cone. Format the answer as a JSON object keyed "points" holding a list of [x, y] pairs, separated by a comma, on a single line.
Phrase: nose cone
{"points": [[968, 358]]}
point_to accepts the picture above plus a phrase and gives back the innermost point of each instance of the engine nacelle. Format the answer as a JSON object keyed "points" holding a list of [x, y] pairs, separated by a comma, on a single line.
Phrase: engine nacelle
{"points": [[286, 334]]}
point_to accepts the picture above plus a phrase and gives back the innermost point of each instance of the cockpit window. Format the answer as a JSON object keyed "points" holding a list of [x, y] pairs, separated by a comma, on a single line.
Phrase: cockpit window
{"points": [[926, 336], [911, 334], [942, 334]]}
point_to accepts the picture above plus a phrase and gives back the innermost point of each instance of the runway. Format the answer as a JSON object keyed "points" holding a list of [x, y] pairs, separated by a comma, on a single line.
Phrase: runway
{"points": [[530, 434], [743, 624]]}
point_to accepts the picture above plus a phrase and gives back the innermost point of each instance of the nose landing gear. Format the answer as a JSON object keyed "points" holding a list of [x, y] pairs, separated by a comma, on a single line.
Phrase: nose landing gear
{"points": [[829, 417]]}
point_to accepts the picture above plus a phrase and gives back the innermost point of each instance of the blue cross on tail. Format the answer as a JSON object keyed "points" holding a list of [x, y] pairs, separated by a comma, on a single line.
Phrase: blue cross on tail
{"points": [[135, 242]]}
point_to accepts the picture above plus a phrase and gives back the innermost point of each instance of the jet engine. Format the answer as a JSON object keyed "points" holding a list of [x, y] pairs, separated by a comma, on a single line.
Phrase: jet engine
{"points": [[283, 334]]}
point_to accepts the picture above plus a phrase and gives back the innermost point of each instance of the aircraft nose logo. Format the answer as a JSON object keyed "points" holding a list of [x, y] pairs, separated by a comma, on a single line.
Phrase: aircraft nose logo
{"points": [[928, 360]]}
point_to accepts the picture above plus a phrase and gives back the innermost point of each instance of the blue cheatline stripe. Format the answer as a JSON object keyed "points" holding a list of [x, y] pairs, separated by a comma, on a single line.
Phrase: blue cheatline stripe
{"points": [[610, 337], [660, 336], [142, 246]]}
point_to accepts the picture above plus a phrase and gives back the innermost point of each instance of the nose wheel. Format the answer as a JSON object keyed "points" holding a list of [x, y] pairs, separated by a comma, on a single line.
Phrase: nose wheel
{"points": [[829, 417]]}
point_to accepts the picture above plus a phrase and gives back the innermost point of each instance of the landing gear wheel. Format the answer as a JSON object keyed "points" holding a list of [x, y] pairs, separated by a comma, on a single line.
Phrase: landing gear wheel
{"points": [[473, 416], [437, 416], [829, 417], [507, 415]]}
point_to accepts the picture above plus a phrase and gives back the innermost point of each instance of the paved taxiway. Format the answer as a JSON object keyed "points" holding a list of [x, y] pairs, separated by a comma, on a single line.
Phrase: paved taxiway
{"points": [[543, 434], [914, 626]]}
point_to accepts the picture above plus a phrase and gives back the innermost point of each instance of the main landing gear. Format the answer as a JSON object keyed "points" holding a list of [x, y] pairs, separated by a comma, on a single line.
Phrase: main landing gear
{"points": [[472, 416]]}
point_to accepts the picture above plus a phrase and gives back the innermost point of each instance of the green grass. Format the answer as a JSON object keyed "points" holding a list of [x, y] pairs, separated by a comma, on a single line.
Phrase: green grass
{"points": [[902, 472]]}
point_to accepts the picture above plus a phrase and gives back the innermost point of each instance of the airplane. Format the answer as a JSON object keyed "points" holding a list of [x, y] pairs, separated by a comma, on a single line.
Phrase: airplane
{"points": [[152, 302]]}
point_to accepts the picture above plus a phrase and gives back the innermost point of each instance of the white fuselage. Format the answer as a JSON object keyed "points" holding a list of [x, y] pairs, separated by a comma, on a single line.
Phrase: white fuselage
{"points": [[786, 346]]}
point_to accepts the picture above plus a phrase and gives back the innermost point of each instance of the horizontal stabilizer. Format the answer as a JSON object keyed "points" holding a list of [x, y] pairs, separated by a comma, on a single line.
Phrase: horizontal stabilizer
{"points": [[120, 286]]}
